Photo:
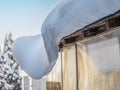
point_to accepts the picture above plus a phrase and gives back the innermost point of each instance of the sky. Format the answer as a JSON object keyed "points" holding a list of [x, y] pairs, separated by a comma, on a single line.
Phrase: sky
{"points": [[23, 17]]}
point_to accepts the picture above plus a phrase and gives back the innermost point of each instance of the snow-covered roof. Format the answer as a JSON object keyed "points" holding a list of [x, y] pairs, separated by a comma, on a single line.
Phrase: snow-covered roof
{"points": [[71, 15], [38, 54]]}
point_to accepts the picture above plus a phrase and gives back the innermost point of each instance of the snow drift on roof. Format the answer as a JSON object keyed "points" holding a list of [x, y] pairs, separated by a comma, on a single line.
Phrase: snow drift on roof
{"points": [[66, 18]]}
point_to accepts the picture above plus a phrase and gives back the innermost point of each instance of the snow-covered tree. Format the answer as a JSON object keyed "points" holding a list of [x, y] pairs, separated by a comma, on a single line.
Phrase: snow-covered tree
{"points": [[2, 82], [12, 79]]}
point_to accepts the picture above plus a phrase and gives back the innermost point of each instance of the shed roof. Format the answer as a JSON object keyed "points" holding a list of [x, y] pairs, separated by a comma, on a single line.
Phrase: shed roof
{"points": [[101, 26]]}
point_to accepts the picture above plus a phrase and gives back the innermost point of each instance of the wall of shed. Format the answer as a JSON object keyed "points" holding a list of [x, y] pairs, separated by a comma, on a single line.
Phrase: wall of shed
{"points": [[89, 65], [99, 65], [53, 79]]}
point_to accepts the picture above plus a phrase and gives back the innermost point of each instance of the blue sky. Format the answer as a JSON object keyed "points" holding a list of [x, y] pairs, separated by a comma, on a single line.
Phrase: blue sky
{"points": [[23, 17]]}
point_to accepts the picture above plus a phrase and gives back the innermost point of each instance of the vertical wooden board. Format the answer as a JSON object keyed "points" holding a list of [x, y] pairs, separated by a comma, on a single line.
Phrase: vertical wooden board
{"points": [[26, 83], [38, 84], [53, 79], [69, 72], [53, 86], [83, 69]]}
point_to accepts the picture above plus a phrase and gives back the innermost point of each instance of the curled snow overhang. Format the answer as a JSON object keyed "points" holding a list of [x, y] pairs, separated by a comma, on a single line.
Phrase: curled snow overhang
{"points": [[38, 54]]}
